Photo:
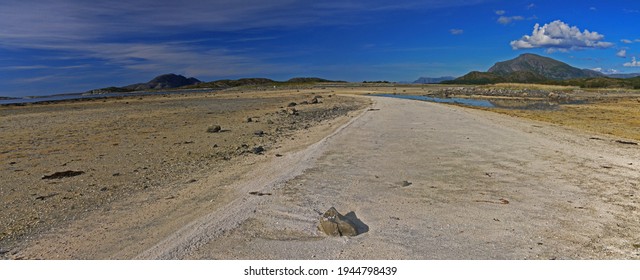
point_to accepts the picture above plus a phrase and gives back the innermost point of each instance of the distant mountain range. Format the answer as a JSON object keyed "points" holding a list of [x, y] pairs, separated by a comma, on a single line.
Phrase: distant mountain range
{"points": [[624, 76], [173, 81], [428, 80]]}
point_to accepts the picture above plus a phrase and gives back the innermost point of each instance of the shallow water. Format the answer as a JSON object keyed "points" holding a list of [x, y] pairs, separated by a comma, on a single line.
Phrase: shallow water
{"points": [[514, 104], [73, 96]]}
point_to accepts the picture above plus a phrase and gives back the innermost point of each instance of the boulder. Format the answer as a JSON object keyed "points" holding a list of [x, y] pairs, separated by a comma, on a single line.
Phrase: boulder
{"points": [[333, 223]]}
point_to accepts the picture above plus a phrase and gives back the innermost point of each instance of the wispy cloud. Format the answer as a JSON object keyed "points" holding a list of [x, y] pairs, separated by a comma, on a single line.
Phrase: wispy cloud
{"points": [[506, 20], [558, 35], [141, 35], [456, 31], [627, 41], [622, 53], [53, 22], [38, 67], [531, 6]]}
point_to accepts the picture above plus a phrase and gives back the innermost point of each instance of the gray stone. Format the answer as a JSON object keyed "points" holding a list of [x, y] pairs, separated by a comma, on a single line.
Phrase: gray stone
{"points": [[214, 129], [257, 150], [333, 223]]}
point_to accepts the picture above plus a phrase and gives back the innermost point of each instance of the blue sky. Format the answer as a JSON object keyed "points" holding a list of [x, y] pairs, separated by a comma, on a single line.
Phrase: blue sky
{"points": [[62, 46]]}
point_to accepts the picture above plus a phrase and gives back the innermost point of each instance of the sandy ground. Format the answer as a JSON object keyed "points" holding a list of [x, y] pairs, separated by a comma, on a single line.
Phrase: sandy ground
{"points": [[149, 164], [482, 186]]}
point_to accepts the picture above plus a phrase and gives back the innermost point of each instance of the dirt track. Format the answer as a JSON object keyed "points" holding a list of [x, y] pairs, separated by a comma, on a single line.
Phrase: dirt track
{"points": [[483, 186]]}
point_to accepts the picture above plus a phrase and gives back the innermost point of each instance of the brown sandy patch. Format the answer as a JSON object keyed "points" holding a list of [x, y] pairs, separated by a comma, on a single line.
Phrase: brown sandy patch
{"points": [[134, 154]]}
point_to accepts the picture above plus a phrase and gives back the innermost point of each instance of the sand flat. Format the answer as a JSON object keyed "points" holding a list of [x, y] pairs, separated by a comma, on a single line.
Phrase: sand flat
{"points": [[482, 186]]}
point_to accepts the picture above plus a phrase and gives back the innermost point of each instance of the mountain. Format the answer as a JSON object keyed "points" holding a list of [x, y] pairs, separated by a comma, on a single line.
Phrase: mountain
{"points": [[308, 80], [543, 66], [221, 84], [527, 68], [164, 82], [428, 80]]}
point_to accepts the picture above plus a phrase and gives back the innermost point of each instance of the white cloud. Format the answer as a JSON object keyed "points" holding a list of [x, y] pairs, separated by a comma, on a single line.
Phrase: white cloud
{"points": [[622, 53], [593, 8], [531, 6], [456, 31], [500, 12], [606, 71], [626, 41], [506, 20], [633, 63], [559, 36]]}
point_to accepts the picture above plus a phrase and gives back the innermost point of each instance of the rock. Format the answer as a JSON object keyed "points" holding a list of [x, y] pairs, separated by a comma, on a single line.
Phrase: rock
{"points": [[292, 112], [259, 193], [257, 150], [405, 183], [333, 223], [258, 133], [62, 174], [292, 104], [314, 101], [214, 129], [43, 197], [249, 120]]}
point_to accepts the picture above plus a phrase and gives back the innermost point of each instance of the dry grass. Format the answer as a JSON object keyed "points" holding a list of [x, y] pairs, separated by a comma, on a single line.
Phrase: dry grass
{"points": [[618, 117]]}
